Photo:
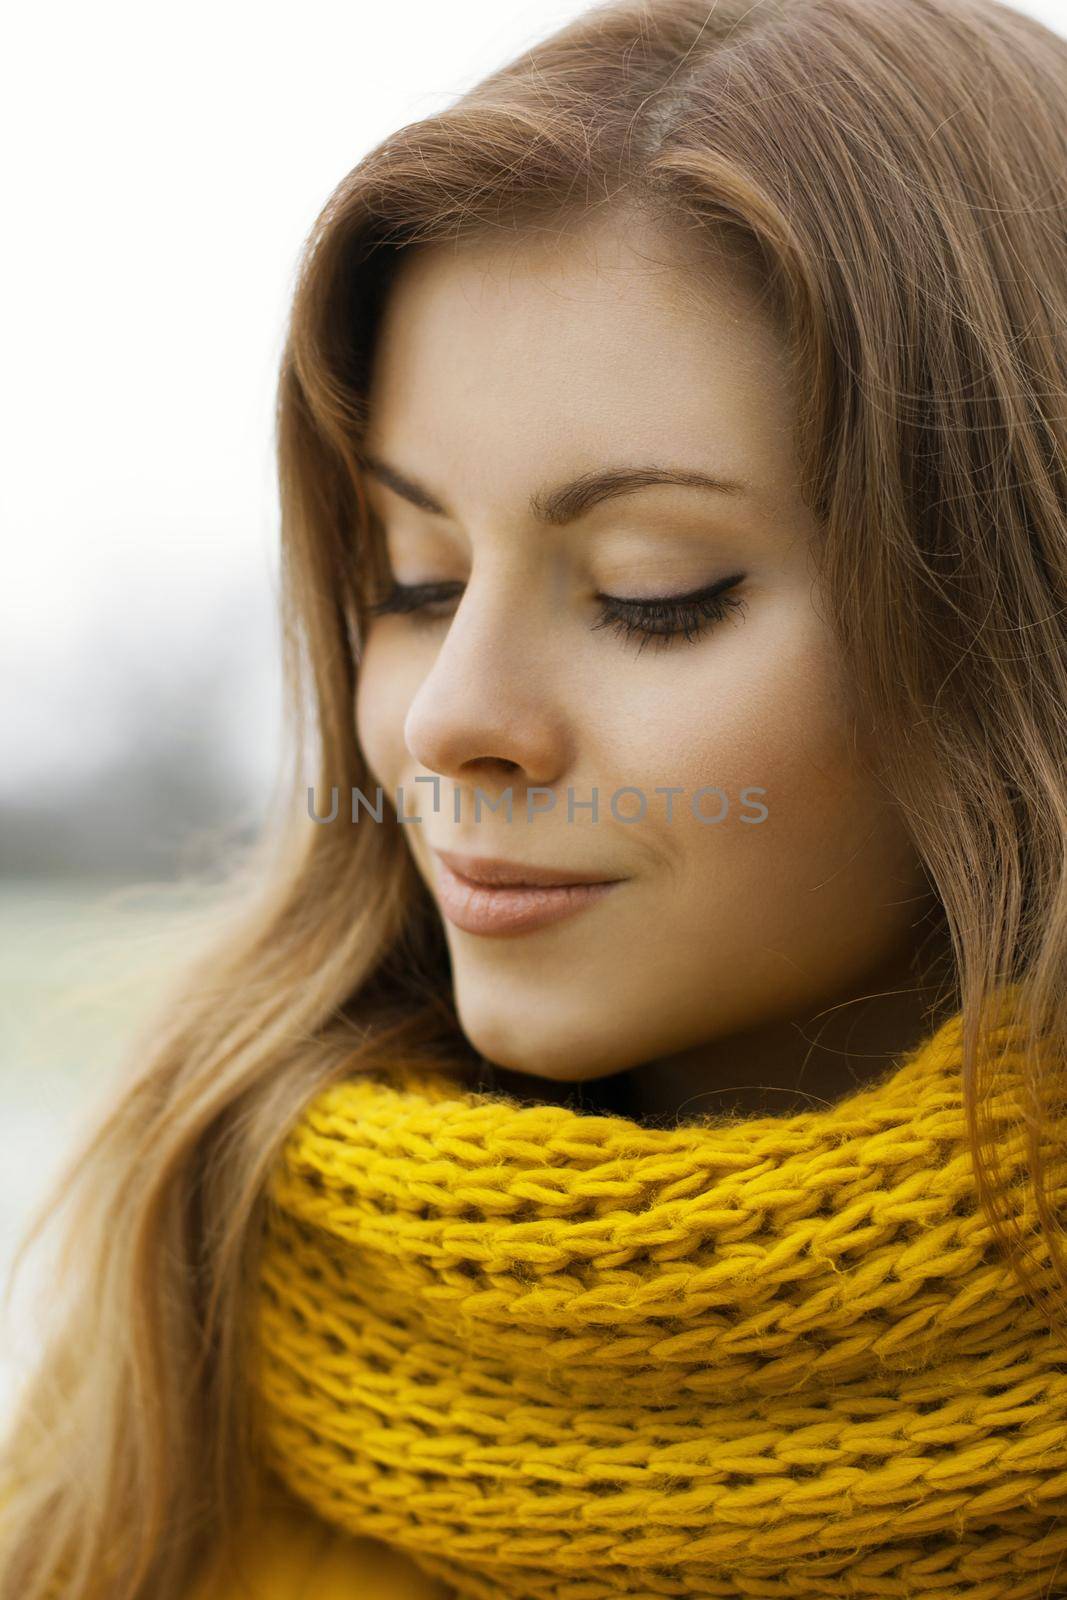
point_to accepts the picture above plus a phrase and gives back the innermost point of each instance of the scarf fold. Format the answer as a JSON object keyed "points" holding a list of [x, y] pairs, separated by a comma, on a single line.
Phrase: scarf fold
{"points": [[549, 1353]]}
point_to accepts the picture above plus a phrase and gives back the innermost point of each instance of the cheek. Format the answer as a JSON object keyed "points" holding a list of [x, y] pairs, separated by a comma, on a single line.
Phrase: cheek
{"points": [[832, 853], [383, 694], [754, 918], [764, 706]]}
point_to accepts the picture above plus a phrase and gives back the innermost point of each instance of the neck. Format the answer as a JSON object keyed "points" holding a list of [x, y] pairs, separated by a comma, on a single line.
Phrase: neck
{"points": [[800, 1062], [803, 1062]]}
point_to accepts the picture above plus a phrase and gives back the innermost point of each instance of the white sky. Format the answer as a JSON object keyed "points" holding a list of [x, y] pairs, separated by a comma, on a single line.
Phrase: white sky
{"points": [[162, 167]]}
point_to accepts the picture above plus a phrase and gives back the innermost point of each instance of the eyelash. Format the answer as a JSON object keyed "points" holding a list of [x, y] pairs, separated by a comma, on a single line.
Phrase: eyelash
{"points": [[675, 616]]}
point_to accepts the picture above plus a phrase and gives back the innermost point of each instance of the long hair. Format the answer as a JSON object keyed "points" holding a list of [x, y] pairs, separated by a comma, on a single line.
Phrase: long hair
{"points": [[896, 171]]}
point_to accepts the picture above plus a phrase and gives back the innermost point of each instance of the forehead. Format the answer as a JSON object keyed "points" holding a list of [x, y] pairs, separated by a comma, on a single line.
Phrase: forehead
{"points": [[612, 339]]}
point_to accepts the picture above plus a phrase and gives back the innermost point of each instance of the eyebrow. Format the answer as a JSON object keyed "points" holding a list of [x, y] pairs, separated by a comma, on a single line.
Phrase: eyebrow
{"points": [[567, 502]]}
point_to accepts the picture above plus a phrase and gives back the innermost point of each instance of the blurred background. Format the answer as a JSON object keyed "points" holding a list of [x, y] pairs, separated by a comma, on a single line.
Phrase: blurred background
{"points": [[163, 166]]}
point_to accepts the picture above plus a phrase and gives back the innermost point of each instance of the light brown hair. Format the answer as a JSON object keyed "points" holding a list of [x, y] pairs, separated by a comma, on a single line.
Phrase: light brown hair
{"points": [[897, 172]]}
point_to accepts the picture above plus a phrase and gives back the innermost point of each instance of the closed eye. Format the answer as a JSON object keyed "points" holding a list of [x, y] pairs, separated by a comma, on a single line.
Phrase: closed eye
{"points": [[685, 616], [667, 618]]}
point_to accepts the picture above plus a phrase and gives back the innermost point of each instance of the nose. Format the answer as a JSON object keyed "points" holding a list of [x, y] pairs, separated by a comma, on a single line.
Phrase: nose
{"points": [[489, 709]]}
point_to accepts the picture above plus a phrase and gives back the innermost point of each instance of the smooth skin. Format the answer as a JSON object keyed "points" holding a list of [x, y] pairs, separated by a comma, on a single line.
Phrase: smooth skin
{"points": [[761, 965]]}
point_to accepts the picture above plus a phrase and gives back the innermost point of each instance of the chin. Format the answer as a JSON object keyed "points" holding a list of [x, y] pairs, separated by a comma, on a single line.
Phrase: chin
{"points": [[602, 1093], [537, 1050]]}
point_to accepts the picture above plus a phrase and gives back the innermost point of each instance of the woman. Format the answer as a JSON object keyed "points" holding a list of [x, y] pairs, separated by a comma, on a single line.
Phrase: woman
{"points": [[616, 1145]]}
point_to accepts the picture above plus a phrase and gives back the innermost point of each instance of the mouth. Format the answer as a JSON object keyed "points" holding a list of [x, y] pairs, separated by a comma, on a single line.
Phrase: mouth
{"points": [[494, 872], [507, 898]]}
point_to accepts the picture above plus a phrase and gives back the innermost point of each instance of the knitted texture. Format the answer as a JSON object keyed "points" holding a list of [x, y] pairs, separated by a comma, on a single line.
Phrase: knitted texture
{"points": [[561, 1354]]}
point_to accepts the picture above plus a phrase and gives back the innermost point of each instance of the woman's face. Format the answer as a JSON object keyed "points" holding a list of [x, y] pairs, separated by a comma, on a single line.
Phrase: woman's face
{"points": [[503, 371]]}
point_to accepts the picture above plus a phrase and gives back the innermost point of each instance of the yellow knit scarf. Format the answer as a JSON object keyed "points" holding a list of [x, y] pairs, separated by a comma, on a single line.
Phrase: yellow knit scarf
{"points": [[549, 1353]]}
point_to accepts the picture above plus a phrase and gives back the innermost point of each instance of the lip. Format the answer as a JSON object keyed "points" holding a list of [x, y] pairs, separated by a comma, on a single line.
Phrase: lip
{"points": [[504, 909], [496, 872]]}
